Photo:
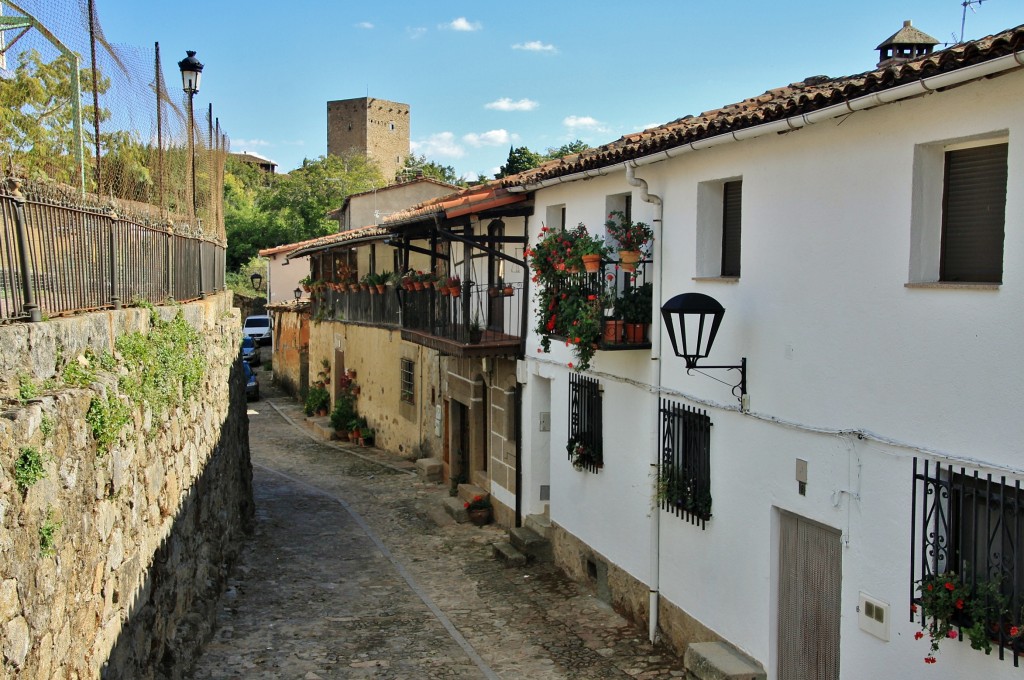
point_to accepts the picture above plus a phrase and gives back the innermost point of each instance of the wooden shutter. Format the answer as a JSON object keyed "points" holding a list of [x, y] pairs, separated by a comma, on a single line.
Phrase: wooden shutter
{"points": [[973, 214], [731, 211]]}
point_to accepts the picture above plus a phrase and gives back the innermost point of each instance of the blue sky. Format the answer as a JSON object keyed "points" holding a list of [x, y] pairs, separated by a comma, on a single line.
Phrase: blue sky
{"points": [[481, 76]]}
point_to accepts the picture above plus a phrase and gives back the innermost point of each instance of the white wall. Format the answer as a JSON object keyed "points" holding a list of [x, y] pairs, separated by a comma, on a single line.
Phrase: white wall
{"points": [[835, 341], [284, 279]]}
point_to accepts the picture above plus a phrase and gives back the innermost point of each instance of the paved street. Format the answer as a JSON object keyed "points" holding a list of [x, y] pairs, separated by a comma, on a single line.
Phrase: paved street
{"points": [[354, 571]]}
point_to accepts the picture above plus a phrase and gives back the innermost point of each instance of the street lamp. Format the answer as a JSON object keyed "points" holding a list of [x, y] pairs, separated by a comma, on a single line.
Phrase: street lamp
{"points": [[297, 293], [692, 321], [191, 72], [256, 280]]}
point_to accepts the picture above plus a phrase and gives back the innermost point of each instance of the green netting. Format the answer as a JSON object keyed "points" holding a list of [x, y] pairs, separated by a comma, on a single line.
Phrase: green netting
{"points": [[141, 157]]}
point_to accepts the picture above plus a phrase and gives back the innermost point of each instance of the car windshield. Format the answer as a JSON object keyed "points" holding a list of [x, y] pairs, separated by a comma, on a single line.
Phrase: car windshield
{"points": [[259, 323], [248, 343]]}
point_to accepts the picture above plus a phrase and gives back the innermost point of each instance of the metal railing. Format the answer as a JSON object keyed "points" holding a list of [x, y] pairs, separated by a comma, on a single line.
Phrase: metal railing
{"points": [[478, 312], [57, 258], [362, 306]]}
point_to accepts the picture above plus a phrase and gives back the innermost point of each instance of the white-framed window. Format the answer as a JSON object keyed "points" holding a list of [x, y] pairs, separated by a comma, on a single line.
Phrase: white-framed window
{"points": [[719, 227], [958, 211], [554, 217]]}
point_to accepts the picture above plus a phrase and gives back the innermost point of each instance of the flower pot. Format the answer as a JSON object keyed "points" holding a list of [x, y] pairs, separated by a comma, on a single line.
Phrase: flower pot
{"points": [[341, 435], [354, 287], [628, 259], [508, 291], [475, 336], [321, 412], [417, 285], [492, 291], [479, 517], [591, 263], [381, 288], [613, 331], [444, 291], [454, 290], [635, 333]]}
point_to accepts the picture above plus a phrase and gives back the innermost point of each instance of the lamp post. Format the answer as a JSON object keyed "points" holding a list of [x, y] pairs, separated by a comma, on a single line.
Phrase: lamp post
{"points": [[297, 293], [191, 72], [692, 321], [256, 280]]}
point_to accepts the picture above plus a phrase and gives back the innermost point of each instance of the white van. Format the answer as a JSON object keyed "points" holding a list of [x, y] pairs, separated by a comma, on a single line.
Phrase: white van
{"points": [[259, 328]]}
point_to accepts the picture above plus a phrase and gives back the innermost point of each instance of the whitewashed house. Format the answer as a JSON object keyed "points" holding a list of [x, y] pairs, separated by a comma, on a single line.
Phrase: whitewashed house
{"points": [[865, 236]]}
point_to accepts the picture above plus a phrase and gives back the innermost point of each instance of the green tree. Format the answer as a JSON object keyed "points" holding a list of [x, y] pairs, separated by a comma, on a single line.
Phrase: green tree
{"points": [[519, 159], [577, 146], [415, 164]]}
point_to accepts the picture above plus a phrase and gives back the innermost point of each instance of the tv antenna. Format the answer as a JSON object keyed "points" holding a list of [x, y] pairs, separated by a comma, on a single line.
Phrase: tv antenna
{"points": [[967, 4]]}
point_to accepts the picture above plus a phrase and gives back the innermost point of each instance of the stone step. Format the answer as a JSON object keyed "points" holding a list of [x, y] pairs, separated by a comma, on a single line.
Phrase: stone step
{"points": [[531, 543], [541, 524], [506, 553], [429, 469], [456, 508], [468, 492], [321, 427]]}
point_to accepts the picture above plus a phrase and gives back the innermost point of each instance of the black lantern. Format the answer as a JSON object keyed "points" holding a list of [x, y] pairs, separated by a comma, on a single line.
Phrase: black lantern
{"points": [[257, 280], [297, 293], [692, 321], [191, 72]]}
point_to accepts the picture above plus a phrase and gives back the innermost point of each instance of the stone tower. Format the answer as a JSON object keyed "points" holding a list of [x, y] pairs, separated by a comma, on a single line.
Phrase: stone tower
{"points": [[375, 127]]}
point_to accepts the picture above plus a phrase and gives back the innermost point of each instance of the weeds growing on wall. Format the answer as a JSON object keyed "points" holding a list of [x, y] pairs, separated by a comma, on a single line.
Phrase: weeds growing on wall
{"points": [[28, 469], [47, 532]]}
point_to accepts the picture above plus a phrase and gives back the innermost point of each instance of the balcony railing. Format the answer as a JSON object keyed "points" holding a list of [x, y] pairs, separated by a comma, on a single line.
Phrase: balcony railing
{"points": [[486, 317], [361, 306]]}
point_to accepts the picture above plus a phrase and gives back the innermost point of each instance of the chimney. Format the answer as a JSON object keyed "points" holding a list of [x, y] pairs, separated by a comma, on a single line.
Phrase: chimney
{"points": [[904, 45]]}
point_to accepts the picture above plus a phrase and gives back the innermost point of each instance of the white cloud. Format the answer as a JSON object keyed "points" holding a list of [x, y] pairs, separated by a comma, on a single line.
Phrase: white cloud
{"points": [[575, 123], [415, 32], [364, 24], [463, 24], [506, 104], [535, 46], [439, 144], [489, 138], [249, 143]]}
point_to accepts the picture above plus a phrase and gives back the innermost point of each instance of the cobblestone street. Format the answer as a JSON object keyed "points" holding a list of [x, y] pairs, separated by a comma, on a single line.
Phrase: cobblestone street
{"points": [[355, 571]]}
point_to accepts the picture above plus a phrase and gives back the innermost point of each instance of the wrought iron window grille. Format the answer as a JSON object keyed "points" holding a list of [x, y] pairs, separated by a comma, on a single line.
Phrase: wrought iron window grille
{"points": [[970, 525], [408, 379], [684, 475], [584, 446]]}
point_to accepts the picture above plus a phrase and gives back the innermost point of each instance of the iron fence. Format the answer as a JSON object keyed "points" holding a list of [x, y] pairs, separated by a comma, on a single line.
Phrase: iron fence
{"points": [[684, 476], [382, 309], [475, 312], [57, 258]]}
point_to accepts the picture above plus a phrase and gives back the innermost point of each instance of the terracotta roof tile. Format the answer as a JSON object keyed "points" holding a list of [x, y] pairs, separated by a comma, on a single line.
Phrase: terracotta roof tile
{"points": [[811, 94]]}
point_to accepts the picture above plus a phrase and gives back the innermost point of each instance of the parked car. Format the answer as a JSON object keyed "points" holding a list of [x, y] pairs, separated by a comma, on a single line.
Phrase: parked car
{"points": [[252, 383], [250, 351], [258, 327]]}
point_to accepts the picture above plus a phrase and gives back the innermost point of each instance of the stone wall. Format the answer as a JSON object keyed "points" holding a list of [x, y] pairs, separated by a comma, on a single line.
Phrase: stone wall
{"points": [[291, 348], [375, 127], [143, 534]]}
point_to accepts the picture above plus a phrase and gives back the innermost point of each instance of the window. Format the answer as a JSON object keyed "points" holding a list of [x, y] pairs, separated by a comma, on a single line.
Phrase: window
{"points": [[973, 212], [731, 210], [584, 445], [408, 378], [684, 476], [958, 211], [555, 217], [719, 218], [970, 525]]}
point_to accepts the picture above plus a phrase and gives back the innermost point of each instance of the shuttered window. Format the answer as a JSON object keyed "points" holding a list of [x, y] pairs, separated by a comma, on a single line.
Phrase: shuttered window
{"points": [[731, 211], [973, 214]]}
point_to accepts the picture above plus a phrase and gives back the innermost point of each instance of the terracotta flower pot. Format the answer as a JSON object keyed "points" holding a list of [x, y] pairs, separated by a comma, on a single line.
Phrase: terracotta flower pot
{"points": [[454, 290], [591, 263], [635, 332], [381, 288], [509, 291], [613, 331], [628, 259], [479, 517]]}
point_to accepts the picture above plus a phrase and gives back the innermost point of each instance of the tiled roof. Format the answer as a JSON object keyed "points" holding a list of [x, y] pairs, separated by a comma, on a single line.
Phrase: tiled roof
{"points": [[809, 95], [464, 202], [360, 234]]}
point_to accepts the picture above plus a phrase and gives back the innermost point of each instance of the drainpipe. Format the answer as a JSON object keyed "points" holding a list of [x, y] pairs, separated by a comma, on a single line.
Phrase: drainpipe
{"points": [[655, 556]]}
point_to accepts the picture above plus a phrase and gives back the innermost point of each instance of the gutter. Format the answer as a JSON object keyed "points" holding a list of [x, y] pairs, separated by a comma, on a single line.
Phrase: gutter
{"points": [[898, 93], [654, 584]]}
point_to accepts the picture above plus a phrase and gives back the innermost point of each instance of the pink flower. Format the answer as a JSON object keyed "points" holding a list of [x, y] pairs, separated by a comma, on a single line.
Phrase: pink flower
{"points": [[960, 603], [951, 634], [929, 659], [949, 585], [570, 364], [1014, 631]]}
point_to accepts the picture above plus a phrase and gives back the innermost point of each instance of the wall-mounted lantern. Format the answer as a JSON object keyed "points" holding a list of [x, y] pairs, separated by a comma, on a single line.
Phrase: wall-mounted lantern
{"points": [[297, 293], [256, 280], [692, 321]]}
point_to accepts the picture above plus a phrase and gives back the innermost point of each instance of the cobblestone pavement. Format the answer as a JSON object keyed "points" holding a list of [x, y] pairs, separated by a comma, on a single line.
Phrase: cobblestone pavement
{"points": [[354, 571]]}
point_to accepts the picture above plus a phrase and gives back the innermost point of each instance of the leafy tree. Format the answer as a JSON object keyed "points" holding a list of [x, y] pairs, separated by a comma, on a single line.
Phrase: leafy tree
{"points": [[415, 164], [577, 146], [518, 160]]}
